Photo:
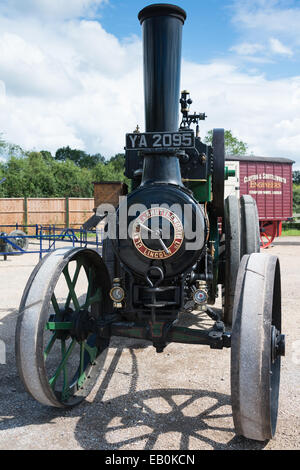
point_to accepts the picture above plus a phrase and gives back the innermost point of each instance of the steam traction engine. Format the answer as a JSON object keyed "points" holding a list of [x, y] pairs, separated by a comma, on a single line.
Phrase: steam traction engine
{"points": [[165, 252]]}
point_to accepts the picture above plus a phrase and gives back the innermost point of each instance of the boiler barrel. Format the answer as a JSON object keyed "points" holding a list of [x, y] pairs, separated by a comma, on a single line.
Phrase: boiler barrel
{"points": [[162, 33]]}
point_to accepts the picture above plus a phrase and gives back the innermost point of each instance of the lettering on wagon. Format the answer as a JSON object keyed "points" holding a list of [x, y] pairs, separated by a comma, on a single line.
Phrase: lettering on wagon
{"points": [[264, 176]]}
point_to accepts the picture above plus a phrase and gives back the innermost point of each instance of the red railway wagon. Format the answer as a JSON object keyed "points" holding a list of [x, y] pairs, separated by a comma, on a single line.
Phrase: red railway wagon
{"points": [[269, 181]]}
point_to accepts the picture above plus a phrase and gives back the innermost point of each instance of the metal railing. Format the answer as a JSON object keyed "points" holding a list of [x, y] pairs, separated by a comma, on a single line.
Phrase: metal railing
{"points": [[44, 238]]}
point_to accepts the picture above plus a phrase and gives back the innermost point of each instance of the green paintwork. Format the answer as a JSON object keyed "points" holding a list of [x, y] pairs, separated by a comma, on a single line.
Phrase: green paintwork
{"points": [[92, 352], [81, 380], [49, 346], [71, 288], [157, 329], [62, 364], [76, 274], [175, 334], [96, 298], [55, 304], [202, 190], [58, 325], [228, 173], [65, 371], [180, 334]]}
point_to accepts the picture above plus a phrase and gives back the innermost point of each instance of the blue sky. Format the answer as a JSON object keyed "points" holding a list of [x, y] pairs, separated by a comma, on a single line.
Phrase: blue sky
{"points": [[71, 72], [212, 30], [200, 40]]}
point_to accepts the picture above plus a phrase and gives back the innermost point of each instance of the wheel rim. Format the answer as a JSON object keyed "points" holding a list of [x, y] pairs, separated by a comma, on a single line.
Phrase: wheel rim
{"points": [[66, 359], [232, 254], [250, 233]]}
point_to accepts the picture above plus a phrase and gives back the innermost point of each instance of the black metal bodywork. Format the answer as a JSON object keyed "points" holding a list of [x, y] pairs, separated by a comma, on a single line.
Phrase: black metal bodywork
{"points": [[158, 289]]}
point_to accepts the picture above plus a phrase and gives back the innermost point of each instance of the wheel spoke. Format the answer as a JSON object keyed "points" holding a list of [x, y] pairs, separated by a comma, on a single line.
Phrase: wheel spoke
{"points": [[61, 366], [96, 298], [81, 365], [81, 371], [92, 352], [49, 345], [65, 372], [71, 287], [76, 274], [55, 304]]}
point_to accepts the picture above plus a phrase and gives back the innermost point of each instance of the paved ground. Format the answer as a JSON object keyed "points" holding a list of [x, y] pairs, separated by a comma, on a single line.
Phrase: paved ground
{"points": [[176, 400]]}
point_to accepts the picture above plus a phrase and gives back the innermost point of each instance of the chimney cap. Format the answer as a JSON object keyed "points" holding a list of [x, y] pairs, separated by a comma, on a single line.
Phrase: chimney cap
{"points": [[161, 9]]}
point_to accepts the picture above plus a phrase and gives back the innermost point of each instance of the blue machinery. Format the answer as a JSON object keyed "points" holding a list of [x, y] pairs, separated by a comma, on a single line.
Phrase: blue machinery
{"points": [[44, 238]]}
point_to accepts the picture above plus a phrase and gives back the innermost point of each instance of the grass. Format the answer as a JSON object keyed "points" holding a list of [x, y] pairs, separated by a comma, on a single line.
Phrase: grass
{"points": [[290, 233]]}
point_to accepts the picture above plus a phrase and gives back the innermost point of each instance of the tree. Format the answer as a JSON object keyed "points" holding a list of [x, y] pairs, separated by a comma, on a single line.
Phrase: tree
{"points": [[233, 146], [296, 199], [79, 157], [2, 142], [47, 156], [296, 177]]}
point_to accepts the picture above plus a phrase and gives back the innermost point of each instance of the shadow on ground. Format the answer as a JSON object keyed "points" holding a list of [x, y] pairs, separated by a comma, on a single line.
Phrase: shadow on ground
{"points": [[137, 419]]}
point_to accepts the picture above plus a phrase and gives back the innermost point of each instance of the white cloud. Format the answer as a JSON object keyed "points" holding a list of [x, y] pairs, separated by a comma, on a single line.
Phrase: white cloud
{"points": [[269, 29], [264, 113], [278, 48], [265, 17], [247, 48], [69, 82], [72, 84], [50, 9]]}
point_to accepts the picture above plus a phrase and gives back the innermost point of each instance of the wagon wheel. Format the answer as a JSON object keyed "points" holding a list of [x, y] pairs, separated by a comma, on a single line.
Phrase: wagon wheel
{"points": [[20, 240], [232, 254], [218, 144], [256, 347], [250, 242], [268, 231], [58, 357]]}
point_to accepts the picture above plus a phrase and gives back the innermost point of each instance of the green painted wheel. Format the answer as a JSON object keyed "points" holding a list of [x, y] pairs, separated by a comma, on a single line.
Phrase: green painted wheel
{"points": [[59, 356]]}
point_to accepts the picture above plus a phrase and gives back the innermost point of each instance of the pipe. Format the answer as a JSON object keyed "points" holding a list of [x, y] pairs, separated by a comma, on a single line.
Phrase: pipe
{"points": [[162, 34]]}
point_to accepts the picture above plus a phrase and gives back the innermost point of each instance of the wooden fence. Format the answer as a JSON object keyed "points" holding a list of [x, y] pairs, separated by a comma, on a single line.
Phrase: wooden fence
{"points": [[65, 212]]}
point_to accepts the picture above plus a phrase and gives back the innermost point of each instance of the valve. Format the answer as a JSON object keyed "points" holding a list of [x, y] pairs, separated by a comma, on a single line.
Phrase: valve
{"points": [[187, 118]]}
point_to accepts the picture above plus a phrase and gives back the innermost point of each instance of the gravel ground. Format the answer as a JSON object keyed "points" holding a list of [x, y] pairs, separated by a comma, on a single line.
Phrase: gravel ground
{"points": [[179, 399]]}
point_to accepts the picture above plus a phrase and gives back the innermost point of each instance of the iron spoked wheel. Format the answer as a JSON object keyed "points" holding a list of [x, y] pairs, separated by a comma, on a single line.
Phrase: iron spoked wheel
{"points": [[218, 144], [256, 347], [20, 240], [250, 242], [58, 357], [268, 231], [232, 255]]}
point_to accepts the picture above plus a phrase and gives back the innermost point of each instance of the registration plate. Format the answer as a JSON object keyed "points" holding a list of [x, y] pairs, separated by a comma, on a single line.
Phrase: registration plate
{"points": [[160, 140]]}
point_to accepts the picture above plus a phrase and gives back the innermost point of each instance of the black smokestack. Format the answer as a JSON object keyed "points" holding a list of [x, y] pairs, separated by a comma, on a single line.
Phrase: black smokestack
{"points": [[162, 35]]}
